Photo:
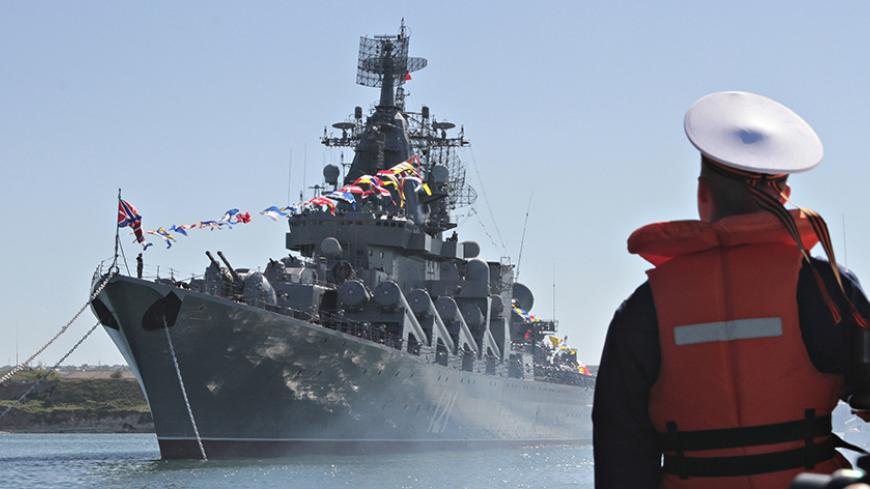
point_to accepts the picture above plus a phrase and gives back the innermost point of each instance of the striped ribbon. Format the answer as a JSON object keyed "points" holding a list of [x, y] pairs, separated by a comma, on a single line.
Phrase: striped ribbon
{"points": [[768, 192]]}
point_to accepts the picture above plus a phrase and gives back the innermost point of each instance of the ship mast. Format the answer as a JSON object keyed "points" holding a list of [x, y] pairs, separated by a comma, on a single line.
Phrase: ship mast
{"points": [[391, 134]]}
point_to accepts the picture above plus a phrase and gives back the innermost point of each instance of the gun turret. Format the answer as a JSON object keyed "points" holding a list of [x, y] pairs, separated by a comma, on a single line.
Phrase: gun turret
{"points": [[212, 260], [232, 271], [218, 280]]}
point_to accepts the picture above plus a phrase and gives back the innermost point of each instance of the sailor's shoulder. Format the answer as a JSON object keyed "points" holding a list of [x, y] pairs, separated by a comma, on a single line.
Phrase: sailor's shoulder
{"points": [[637, 311], [823, 266]]}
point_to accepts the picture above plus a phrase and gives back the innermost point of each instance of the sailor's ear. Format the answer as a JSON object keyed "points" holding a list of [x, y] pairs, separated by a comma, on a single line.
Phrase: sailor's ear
{"points": [[705, 200], [703, 189]]}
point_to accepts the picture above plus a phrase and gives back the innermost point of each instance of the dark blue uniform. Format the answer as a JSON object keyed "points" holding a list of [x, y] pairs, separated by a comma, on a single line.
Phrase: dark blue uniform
{"points": [[627, 454]]}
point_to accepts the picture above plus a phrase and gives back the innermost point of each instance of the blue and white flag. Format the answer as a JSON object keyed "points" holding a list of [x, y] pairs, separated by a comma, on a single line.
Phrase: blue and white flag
{"points": [[210, 225], [228, 216], [292, 210], [342, 196], [163, 233], [274, 213]]}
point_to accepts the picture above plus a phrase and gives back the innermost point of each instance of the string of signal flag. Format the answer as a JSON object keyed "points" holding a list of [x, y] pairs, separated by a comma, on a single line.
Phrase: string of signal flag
{"points": [[387, 185]]}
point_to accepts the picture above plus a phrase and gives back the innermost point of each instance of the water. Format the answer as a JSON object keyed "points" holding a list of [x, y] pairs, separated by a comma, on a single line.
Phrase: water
{"points": [[131, 461]]}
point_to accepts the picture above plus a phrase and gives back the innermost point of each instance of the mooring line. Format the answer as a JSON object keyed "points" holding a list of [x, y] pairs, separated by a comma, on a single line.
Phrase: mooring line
{"points": [[184, 391], [21, 366], [48, 372]]}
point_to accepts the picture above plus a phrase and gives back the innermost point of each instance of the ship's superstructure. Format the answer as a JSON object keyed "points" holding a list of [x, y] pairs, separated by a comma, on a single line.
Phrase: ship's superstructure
{"points": [[379, 329]]}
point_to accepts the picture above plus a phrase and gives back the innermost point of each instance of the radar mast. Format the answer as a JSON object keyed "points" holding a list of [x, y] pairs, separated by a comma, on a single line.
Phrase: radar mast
{"points": [[391, 134]]}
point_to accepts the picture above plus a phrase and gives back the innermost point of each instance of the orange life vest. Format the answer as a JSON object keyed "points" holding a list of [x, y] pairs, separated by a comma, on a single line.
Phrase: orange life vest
{"points": [[738, 403]]}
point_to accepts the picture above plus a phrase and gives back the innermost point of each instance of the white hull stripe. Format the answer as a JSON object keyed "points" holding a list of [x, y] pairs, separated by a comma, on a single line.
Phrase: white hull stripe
{"points": [[738, 329]]}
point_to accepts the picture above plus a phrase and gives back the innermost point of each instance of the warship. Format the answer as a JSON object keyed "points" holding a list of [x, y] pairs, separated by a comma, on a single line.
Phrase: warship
{"points": [[380, 330]]}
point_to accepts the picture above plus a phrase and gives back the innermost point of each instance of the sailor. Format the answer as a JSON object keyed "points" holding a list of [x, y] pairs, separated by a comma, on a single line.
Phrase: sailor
{"points": [[139, 265], [721, 371]]}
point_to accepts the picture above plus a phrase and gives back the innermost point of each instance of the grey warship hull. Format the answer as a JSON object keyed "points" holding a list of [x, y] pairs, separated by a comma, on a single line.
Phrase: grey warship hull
{"points": [[264, 383]]}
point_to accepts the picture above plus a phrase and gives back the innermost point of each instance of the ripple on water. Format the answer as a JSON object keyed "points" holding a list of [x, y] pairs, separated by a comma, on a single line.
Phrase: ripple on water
{"points": [[125, 461]]}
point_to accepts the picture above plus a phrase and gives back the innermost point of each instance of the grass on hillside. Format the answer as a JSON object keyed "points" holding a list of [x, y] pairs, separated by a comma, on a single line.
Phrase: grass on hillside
{"points": [[38, 407]]}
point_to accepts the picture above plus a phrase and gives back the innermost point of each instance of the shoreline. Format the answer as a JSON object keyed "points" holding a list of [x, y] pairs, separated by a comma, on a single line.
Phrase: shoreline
{"points": [[83, 402]]}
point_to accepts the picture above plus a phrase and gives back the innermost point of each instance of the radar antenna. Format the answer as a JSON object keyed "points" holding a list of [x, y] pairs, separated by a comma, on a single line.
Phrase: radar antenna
{"points": [[383, 62]]}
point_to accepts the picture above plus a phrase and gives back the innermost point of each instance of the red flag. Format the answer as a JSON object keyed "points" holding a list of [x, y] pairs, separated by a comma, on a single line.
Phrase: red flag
{"points": [[408, 76], [354, 189], [128, 216], [321, 201]]}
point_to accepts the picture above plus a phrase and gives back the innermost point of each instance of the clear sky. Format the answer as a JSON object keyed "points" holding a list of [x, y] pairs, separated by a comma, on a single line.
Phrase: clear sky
{"points": [[196, 107]]}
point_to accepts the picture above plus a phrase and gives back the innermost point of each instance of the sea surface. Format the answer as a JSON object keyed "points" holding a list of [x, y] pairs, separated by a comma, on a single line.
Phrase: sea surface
{"points": [[132, 461]]}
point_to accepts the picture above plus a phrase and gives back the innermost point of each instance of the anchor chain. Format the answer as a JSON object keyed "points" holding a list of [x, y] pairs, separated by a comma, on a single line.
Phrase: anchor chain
{"points": [[184, 391], [45, 375], [21, 366]]}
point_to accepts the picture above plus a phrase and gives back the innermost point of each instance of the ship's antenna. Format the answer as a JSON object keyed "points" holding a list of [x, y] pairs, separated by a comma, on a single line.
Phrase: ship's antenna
{"points": [[117, 231], [486, 200], [523, 239], [118, 245], [343, 166], [304, 172], [554, 291], [290, 176]]}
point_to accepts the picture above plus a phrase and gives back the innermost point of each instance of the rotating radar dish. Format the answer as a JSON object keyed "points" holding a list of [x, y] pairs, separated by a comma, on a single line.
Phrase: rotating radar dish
{"points": [[385, 56], [375, 64], [443, 125], [415, 64]]}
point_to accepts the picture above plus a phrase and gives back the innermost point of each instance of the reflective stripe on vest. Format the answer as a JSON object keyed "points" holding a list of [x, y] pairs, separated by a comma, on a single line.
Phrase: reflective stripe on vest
{"points": [[738, 329]]}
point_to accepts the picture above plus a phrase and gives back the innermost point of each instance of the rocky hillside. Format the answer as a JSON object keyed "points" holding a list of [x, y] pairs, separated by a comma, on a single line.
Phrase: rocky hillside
{"points": [[81, 405]]}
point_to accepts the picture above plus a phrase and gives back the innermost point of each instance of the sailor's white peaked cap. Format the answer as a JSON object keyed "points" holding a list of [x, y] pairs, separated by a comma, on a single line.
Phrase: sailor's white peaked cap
{"points": [[752, 133]]}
